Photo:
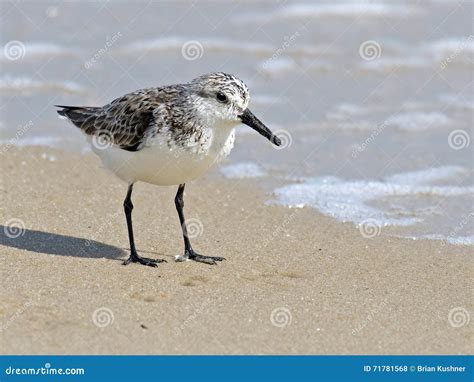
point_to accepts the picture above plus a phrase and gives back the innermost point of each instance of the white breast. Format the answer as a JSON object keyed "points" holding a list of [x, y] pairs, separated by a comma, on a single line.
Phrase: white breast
{"points": [[160, 164]]}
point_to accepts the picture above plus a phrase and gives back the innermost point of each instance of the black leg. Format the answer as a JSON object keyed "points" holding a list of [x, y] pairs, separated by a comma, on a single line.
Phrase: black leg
{"points": [[189, 253], [134, 258]]}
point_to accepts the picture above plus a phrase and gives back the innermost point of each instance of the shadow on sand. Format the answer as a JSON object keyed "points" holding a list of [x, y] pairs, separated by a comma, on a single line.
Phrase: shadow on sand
{"points": [[54, 244]]}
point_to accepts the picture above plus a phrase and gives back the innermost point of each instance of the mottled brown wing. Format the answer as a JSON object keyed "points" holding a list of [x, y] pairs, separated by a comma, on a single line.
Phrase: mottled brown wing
{"points": [[125, 122]]}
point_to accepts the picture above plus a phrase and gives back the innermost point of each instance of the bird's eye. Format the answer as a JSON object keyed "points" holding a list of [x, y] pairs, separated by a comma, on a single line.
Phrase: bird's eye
{"points": [[221, 97]]}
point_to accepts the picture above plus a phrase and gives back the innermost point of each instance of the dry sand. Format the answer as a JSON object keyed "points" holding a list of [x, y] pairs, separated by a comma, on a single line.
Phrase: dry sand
{"points": [[330, 290]]}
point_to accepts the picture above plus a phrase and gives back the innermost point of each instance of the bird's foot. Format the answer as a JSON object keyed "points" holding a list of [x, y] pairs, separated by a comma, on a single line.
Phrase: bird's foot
{"points": [[134, 258], [191, 255]]}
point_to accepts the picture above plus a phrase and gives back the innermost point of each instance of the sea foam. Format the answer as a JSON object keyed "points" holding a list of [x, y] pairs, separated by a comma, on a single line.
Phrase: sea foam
{"points": [[353, 200]]}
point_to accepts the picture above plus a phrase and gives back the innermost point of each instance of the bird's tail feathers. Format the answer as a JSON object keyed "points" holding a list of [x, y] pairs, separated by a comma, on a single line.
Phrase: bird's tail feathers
{"points": [[78, 115]]}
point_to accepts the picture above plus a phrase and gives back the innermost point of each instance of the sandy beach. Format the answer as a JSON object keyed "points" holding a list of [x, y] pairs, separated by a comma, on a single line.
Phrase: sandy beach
{"points": [[294, 281]]}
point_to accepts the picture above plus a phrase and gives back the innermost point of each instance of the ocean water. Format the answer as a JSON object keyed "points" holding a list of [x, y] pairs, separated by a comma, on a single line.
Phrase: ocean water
{"points": [[374, 100]]}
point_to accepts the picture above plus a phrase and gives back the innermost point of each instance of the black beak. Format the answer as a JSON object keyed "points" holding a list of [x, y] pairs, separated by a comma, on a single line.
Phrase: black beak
{"points": [[251, 120]]}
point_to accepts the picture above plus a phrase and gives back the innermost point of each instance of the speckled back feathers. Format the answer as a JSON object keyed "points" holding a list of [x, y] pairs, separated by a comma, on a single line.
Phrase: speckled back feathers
{"points": [[133, 120]]}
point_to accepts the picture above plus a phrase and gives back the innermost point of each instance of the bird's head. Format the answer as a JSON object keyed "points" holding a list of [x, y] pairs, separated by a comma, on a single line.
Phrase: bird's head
{"points": [[225, 98]]}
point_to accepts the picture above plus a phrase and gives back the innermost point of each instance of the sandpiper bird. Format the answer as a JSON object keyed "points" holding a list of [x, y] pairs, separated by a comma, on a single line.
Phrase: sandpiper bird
{"points": [[167, 136]]}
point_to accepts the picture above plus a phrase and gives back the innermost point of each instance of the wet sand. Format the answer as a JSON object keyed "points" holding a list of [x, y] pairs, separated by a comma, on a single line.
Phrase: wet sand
{"points": [[294, 281]]}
